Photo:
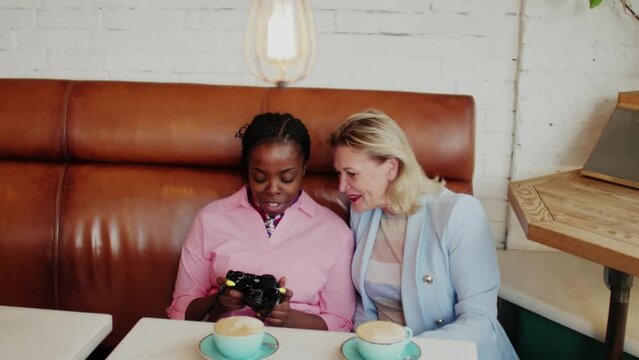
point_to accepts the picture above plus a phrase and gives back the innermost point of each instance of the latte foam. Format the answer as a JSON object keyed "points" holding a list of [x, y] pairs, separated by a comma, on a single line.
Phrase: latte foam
{"points": [[238, 326], [381, 332]]}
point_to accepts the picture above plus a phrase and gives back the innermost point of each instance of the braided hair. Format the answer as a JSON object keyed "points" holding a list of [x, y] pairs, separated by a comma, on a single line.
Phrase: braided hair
{"points": [[272, 128]]}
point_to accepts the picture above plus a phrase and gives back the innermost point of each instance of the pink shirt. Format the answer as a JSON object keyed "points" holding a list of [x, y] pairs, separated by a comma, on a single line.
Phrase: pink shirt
{"points": [[311, 246]]}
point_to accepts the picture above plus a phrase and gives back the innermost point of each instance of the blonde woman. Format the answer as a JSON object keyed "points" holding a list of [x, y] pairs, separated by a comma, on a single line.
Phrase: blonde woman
{"points": [[425, 256]]}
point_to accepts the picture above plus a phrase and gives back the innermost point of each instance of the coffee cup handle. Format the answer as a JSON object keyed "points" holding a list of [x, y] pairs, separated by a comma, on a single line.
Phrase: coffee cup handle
{"points": [[409, 331]]}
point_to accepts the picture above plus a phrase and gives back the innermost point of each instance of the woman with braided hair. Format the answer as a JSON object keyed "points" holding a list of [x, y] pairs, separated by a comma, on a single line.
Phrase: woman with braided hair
{"points": [[270, 226]]}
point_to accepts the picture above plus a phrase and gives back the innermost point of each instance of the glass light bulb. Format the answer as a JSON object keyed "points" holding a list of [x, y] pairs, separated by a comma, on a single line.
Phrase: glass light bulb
{"points": [[280, 39], [280, 42]]}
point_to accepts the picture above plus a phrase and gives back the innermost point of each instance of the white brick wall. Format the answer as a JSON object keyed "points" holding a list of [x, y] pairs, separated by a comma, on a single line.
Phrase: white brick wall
{"points": [[442, 46]]}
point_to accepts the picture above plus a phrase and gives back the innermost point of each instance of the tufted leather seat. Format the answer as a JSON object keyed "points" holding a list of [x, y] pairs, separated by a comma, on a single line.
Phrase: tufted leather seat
{"points": [[99, 181]]}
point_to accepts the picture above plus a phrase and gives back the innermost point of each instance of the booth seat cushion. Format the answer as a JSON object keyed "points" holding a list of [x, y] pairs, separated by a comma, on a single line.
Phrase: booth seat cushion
{"points": [[100, 180], [565, 289]]}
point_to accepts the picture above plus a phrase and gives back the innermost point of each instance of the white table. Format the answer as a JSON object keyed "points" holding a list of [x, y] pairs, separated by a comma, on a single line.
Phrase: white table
{"points": [[175, 339], [28, 333]]}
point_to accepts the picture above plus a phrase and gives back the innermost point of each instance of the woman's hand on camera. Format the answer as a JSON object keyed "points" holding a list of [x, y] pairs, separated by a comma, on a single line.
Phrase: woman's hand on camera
{"points": [[282, 310], [227, 300]]}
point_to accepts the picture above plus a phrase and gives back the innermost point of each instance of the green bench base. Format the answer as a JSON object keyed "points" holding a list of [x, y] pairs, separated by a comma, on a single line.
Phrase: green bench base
{"points": [[535, 337]]}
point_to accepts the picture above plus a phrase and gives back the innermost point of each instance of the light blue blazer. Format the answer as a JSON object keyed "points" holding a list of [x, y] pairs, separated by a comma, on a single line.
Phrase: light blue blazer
{"points": [[450, 275]]}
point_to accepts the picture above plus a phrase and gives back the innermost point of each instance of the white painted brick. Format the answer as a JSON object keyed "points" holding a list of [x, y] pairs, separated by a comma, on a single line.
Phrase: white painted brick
{"points": [[69, 18], [16, 18], [26, 74], [348, 65], [19, 4], [150, 76], [67, 4], [387, 81], [478, 166], [494, 144], [557, 10], [74, 74], [21, 60], [495, 95], [190, 40], [131, 61], [374, 44], [495, 68], [351, 75], [59, 39], [445, 23], [118, 40], [496, 166], [459, 45], [357, 22], [136, 4], [205, 4], [345, 5], [220, 79], [216, 20], [372, 5], [325, 21], [403, 66], [491, 188], [121, 18], [232, 4], [491, 94], [494, 26], [83, 61], [202, 62], [431, 83], [496, 210], [336, 43], [550, 58], [403, 6], [232, 41], [620, 59], [486, 7], [498, 120], [6, 40], [402, 23], [499, 233]]}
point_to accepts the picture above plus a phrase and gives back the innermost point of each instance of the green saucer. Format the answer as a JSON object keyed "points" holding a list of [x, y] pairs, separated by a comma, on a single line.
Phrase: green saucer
{"points": [[349, 351], [209, 351]]}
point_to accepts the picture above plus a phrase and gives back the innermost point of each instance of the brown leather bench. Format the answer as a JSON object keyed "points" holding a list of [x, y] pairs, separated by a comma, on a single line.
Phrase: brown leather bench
{"points": [[99, 181]]}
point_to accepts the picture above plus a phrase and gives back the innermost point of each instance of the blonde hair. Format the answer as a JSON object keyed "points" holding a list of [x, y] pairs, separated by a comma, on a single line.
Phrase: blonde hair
{"points": [[380, 137]]}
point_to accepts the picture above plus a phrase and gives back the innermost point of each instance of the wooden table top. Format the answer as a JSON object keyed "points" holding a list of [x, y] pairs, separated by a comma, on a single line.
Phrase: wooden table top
{"points": [[583, 216]]}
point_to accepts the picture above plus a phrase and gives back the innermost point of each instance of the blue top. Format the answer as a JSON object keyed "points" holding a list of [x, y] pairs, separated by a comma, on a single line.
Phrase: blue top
{"points": [[450, 276]]}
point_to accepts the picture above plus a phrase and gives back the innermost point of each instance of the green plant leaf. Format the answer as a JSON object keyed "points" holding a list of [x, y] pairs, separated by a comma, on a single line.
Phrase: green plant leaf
{"points": [[594, 3]]}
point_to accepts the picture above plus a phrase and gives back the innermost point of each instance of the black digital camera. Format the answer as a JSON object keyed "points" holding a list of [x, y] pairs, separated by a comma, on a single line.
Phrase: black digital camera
{"points": [[261, 292]]}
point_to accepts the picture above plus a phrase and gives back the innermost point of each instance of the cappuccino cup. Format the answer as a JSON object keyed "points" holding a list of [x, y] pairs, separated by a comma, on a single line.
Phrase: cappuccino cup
{"points": [[238, 337], [382, 340]]}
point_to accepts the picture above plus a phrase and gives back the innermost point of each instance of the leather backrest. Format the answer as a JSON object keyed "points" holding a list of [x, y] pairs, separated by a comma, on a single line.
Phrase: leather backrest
{"points": [[100, 181]]}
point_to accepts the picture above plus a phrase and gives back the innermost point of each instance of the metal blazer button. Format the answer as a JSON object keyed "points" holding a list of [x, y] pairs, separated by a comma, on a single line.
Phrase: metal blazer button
{"points": [[439, 321], [428, 279]]}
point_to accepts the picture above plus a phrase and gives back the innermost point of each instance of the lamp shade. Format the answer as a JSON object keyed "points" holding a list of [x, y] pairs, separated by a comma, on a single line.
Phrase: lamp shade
{"points": [[280, 42]]}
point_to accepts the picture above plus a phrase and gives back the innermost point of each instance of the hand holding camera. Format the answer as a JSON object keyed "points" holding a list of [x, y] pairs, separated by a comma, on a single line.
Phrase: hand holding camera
{"points": [[281, 311], [260, 292]]}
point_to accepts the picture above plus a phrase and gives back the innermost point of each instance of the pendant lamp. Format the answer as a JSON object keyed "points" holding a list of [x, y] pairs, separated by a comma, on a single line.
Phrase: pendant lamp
{"points": [[280, 41]]}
